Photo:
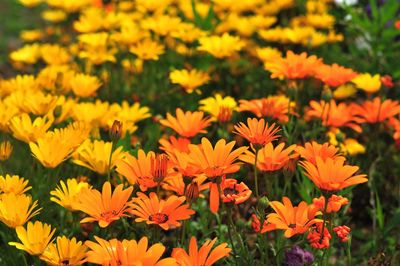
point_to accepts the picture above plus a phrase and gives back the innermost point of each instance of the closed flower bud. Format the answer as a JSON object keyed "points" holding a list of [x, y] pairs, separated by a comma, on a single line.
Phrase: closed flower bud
{"points": [[192, 192], [5, 150], [264, 202], [159, 167], [116, 130], [225, 114]]}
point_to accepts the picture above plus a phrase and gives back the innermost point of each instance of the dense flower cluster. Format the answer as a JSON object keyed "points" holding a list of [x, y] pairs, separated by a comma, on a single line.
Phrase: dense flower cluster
{"points": [[136, 123]]}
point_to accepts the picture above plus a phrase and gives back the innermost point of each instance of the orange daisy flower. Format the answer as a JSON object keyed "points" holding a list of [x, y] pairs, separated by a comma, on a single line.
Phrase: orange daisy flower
{"points": [[164, 213], [175, 183], [270, 158], [293, 66], [275, 107], [187, 124], [217, 161], [257, 131], [332, 175], [183, 163], [139, 170], [376, 110], [203, 256], [126, 252], [334, 75], [333, 115], [294, 220], [235, 192], [312, 150], [180, 144], [104, 207]]}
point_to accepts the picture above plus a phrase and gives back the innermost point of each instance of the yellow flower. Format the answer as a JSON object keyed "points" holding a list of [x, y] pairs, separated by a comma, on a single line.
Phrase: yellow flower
{"points": [[90, 20], [189, 80], [34, 239], [352, 147], [368, 83], [188, 32], [96, 156], [31, 35], [161, 25], [37, 103], [147, 49], [66, 252], [221, 46], [66, 195], [54, 54], [152, 5], [55, 78], [28, 54], [69, 6], [16, 210], [25, 130], [91, 113], [268, 54], [54, 15], [58, 145], [321, 21], [96, 48], [344, 91], [84, 85], [128, 115], [13, 184], [30, 3], [213, 105], [7, 111], [5, 150], [19, 83]]}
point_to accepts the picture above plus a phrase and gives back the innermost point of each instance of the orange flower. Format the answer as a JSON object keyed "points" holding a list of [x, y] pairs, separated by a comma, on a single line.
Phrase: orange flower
{"points": [[270, 158], [104, 207], [183, 164], [234, 192], [376, 111], [294, 220], [335, 202], [175, 183], [333, 115], [180, 144], [257, 131], [342, 232], [276, 107], [138, 170], [293, 66], [126, 252], [187, 124], [203, 256], [334, 75], [332, 175], [316, 240], [217, 161], [164, 213], [312, 150]]}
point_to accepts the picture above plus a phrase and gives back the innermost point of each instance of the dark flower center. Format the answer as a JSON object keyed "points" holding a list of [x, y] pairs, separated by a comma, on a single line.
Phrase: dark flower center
{"points": [[158, 218], [230, 191], [65, 262]]}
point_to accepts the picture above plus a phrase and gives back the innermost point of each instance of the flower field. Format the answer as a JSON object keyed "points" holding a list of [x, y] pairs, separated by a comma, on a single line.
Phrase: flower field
{"points": [[200, 132]]}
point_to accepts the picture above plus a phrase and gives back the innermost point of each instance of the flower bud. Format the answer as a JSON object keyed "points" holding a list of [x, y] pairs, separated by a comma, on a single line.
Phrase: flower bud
{"points": [[192, 192], [5, 150], [116, 130]]}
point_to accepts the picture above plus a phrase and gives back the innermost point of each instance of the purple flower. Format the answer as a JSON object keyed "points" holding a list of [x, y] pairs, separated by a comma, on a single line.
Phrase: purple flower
{"points": [[298, 257]]}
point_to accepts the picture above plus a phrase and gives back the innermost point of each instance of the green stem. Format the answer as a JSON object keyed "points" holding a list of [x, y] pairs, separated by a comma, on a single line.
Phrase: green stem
{"points": [[109, 162], [183, 232], [256, 173]]}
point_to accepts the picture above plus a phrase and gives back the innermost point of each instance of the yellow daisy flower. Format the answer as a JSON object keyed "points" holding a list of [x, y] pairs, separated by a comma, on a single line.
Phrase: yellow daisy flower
{"points": [[16, 210], [67, 252], [189, 80], [13, 184], [66, 195], [25, 130], [34, 239]]}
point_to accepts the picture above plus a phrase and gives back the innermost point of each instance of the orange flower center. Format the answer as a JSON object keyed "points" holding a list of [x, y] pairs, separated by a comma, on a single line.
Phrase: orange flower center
{"points": [[158, 218]]}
